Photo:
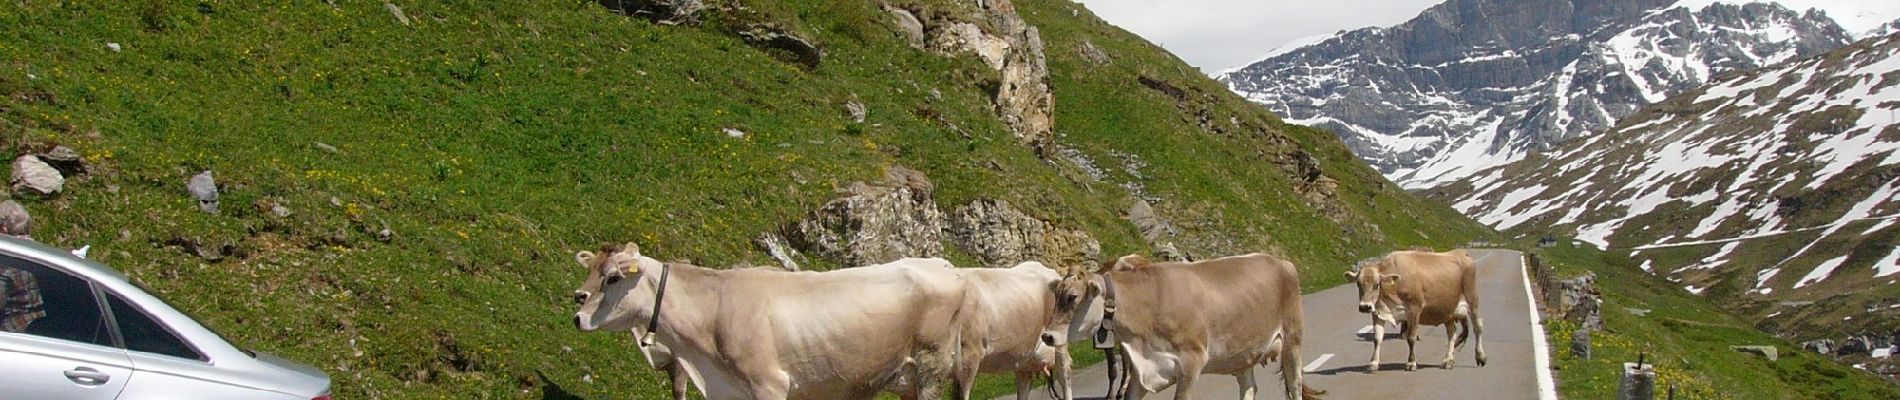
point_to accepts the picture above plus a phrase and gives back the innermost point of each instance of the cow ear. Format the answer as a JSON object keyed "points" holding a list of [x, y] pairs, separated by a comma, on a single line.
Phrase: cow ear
{"points": [[586, 258], [631, 249], [1391, 278], [1131, 262]]}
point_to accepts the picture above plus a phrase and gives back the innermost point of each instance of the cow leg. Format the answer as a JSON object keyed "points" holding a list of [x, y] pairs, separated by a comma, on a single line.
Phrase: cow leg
{"points": [[679, 378], [1451, 344], [1290, 367], [1248, 389], [1191, 365], [1411, 343], [1477, 329], [1378, 337], [1025, 380]]}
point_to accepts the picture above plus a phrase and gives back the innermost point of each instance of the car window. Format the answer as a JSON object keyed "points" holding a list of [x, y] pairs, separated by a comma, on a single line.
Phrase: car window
{"points": [[142, 333], [45, 302]]}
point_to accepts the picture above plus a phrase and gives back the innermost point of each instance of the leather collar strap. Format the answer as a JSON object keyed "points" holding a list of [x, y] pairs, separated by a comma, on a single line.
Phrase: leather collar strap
{"points": [[659, 298]]}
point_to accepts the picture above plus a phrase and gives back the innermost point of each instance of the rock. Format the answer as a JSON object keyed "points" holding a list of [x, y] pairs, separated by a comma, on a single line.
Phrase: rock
{"points": [[1769, 352], [1168, 252], [35, 177], [1636, 311], [781, 250], [280, 211], [856, 110], [1093, 54], [802, 51], [397, 12], [874, 222], [734, 133], [1024, 99], [1580, 301], [384, 235], [1001, 236], [114, 46], [1151, 225], [65, 159], [1823, 346], [204, 188], [908, 25], [663, 11], [1855, 345], [327, 148], [14, 220], [1580, 343]]}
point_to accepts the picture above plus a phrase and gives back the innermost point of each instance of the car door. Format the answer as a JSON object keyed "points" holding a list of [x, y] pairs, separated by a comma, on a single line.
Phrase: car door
{"points": [[54, 339]]}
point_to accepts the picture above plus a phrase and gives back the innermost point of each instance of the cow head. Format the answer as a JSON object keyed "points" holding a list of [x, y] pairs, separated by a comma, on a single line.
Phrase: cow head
{"points": [[618, 292], [1078, 298], [1373, 284]]}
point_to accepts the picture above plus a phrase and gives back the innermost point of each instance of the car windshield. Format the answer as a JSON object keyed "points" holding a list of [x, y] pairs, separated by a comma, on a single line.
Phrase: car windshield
{"points": [[187, 314]]}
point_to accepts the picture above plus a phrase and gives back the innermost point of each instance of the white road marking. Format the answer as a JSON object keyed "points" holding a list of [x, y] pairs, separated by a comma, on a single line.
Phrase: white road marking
{"points": [[1546, 386], [1314, 366], [1365, 330]]}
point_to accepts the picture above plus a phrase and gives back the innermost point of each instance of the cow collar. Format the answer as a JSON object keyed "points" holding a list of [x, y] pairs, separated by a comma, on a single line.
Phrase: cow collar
{"points": [[1105, 333], [659, 298]]}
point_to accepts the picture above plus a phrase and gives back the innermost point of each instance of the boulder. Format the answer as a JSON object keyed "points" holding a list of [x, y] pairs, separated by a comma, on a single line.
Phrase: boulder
{"points": [[874, 222], [908, 25], [1093, 54], [1823, 346], [1580, 301], [204, 188], [1855, 345], [1768, 352], [1151, 225], [1001, 236], [856, 111], [800, 50], [1166, 251], [14, 220], [663, 11], [66, 159], [32, 176]]}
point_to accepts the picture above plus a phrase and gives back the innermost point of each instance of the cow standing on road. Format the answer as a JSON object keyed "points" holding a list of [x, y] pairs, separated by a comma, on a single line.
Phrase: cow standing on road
{"points": [[1413, 289], [1175, 321], [771, 335], [1010, 306]]}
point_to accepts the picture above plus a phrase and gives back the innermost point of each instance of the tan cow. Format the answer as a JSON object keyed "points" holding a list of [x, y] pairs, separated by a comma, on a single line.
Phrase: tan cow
{"points": [[1413, 289], [1175, 321], [767, 335], [1010, 307]]}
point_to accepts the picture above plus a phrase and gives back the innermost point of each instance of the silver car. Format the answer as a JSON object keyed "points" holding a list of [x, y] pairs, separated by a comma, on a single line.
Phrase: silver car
{"points": [[76, 330]]}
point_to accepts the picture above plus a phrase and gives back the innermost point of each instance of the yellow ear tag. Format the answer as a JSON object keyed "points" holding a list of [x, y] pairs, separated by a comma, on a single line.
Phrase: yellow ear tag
{"points": [[633, 268]]}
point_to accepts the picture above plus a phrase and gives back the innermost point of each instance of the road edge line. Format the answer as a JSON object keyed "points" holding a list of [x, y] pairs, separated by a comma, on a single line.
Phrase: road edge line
{"points": [[1546, 385]]}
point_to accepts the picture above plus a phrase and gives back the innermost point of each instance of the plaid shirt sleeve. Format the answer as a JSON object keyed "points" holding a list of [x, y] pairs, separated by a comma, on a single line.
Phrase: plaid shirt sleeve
{"points": [[22, 303]]}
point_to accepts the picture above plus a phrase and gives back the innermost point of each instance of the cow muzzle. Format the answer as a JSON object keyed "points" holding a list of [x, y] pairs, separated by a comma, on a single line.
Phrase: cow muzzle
{"points": [[1049, 339], [1365, 308]]}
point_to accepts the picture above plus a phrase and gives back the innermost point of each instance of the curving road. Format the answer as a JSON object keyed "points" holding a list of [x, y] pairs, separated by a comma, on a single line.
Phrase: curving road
{"points": [[1338, 347]]}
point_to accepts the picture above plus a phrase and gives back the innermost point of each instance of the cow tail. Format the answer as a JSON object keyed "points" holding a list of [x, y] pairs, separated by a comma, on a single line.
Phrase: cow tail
{"points": [[1293, 333]]}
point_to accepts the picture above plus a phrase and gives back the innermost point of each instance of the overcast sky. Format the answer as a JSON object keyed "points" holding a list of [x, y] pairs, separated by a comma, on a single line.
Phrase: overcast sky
{"points": [[1218, 34]]}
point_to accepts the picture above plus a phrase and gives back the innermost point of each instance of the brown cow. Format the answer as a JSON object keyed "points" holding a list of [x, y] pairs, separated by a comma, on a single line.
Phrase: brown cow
{"points": [[1174, 321], [1413, 289]]}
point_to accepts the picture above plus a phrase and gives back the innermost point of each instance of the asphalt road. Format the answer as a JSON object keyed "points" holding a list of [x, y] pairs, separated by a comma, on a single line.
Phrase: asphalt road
{"points": [[1338, 346]]}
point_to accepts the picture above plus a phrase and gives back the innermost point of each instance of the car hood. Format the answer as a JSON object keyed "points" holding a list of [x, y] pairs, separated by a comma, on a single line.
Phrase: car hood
{"points": [[298, 378]]}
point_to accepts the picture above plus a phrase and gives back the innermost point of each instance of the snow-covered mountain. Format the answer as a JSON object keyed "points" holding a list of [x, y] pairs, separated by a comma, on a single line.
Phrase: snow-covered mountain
{"points": [[1777, 189], [1473, 84]]}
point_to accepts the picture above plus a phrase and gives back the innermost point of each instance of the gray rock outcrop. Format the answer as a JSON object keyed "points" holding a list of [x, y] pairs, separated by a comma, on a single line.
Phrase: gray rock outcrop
{"points": [[1823, 346], [1581, 303], [1015, 50], [1001, 236], [875, 222], [32, 176], [663, 11], [1768, 352]]}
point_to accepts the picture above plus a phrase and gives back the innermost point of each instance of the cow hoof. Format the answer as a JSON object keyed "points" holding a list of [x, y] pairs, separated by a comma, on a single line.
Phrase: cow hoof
{"points": [[1374, 366], [1411, 366], [1446, 365], [1480, 361]]}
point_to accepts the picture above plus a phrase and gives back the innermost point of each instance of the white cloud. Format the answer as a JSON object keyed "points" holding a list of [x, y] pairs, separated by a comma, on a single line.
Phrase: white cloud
{"points": [[1218, 34]]}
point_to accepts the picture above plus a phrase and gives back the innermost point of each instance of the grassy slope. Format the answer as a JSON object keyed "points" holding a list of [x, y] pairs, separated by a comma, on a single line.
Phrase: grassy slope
{"points": [[494, 140], [1687, 338]]}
